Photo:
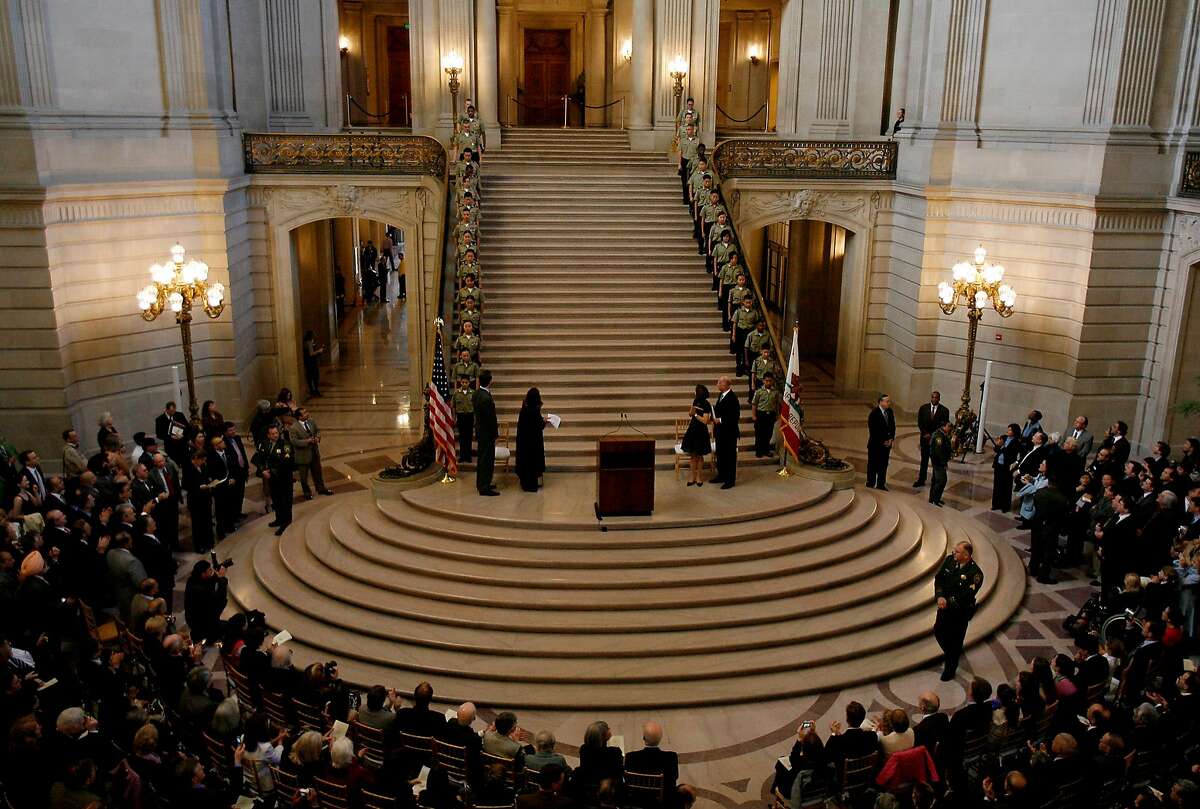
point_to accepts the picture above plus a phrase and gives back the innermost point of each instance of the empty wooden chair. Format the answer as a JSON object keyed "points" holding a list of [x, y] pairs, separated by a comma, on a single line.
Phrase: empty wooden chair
{"points": [[332, 795]]}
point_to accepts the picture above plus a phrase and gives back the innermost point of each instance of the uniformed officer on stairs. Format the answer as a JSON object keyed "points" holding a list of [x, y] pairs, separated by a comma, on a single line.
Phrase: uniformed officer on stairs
{"points": [[956, 587]]}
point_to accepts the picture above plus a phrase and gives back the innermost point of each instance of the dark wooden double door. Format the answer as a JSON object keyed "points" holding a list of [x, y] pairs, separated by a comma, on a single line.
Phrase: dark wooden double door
{"points": [[547, 76]]}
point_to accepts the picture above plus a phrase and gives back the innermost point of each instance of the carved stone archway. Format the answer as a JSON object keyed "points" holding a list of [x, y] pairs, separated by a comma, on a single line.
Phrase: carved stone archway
{"points": [[411, 203], [760, 203]]}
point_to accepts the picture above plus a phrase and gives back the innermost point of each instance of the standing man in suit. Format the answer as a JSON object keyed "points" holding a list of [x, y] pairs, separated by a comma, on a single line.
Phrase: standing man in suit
{"points": [[33, 472], [727, 416], [125, 572], [487, 429], [1117, 541], [1083, 439], [171, 428], [74, 462], [1117, 444], [881, 428], [239, 469], [275, 462], [305, 436], [651, 760], [156, 557], [930, 416]]}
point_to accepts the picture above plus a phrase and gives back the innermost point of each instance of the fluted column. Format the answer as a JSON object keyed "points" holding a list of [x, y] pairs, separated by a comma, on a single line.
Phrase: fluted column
{"points": [[486, 68], [964, 62], [642, 64], [833, 78], [506, 16], [594, 61], [286, 74]]}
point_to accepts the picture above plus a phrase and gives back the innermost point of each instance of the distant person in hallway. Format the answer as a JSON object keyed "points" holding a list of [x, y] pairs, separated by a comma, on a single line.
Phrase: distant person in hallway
{"points": [[486, 431], [941, 448], [881, 430], [531, 444], [956, 587], [696, 442], [1007, 448], [727, 416], [930, 416], [312, 363]]}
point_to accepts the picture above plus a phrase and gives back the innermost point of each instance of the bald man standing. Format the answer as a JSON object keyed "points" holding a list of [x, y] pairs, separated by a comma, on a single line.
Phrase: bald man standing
{"points": [[652, 760], [727, 416]]}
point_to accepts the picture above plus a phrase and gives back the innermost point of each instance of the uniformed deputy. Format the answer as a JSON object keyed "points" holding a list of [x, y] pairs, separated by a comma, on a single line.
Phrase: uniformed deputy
{"points": [[699, 171], [940, 450], [468, 341], [699, 201], [276, 463], [709, 213], [465, 368], [956, 587], [763, 363], [464, 417], [466, 159], [467, 265], [720, 251], [469, 290], [764, 408], [738, 291], [470, 132], [715, 234], [743, 322], [727, 276], [687, 153], [689, 107], [469, 314]]}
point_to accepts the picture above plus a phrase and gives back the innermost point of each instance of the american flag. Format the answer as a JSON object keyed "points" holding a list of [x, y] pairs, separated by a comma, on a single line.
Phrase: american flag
{"points": [[441, 414]]}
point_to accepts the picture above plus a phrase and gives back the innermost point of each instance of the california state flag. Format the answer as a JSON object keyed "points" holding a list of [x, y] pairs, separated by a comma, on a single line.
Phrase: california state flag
{"points": [[791, 416]]}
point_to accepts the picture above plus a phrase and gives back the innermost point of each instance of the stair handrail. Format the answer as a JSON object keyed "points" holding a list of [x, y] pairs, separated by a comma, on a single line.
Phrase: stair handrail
{"points": [[758, 296]]}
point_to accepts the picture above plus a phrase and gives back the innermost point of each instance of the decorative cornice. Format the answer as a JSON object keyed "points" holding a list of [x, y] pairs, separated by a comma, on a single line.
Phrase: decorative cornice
{"points": [[806, 159], [342, 199], [344, 154], [1009, 213], [1140, 222], [753, 209], [16, 215]]}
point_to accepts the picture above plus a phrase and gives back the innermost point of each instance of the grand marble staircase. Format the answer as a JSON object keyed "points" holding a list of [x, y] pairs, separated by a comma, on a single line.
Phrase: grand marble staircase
{"points": [[595, 292], [788, 588]]}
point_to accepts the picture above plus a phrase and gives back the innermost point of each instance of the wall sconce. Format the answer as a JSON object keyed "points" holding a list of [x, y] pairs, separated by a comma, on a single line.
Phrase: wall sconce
{"points": [[344, 44], [752, 53], [627, 50]]}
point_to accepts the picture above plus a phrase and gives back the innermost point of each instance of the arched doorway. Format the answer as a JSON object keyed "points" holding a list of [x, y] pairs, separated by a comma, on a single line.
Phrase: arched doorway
{"points": [[747, 65], [798, 267]]}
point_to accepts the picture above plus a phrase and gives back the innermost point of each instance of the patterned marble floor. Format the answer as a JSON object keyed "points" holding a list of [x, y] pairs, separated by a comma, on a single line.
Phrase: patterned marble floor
{"points": [[728, 753]]}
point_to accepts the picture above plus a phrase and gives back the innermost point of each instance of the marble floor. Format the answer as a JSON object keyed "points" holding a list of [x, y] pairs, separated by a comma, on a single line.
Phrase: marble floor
{"points": [[727, 753]]}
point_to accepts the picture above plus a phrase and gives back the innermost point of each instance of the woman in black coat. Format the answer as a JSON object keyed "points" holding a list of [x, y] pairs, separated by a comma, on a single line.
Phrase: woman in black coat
{"points": [[531, 444]]}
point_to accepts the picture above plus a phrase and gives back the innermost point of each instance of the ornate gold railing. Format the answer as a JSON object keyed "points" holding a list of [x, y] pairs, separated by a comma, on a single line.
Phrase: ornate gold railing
{"points": [[806, 159], [1189, 184], [343, 153]]}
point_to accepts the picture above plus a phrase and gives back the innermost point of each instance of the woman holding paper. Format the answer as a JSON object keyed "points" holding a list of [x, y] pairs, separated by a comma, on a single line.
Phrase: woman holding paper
{"points": [[531, 445]]}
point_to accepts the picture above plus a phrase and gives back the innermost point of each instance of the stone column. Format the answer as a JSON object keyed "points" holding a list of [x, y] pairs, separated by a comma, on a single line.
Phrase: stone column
{"points": [[594, 61], [833, 78], [508, 60], [788, 97], [642, 64], [486, 80], [286, 66]]}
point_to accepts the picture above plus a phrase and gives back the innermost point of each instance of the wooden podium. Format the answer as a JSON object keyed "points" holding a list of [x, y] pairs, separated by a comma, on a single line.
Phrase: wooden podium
{"points": [[624, 476]]}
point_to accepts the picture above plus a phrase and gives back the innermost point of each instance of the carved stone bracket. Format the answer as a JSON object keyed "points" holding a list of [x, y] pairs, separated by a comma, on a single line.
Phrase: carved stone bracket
{"points": [[343, 154], [806, 159], [757, 208], [285, 202]]}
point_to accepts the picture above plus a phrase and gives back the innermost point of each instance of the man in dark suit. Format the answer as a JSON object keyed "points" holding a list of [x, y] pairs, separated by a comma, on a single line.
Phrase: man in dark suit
{"points": [[1117, 540], [1117, 444], [727, 415], [171, 428], [930, 416], [881, 428], [549, 794], [420, 720], [487, 429], [156, 557], [651, 760], [238, 462], [933, 725], [1038, 452], [165, 478], [854, 741], [32, 471], [458, 732], [1093, 666], [974, 718]]}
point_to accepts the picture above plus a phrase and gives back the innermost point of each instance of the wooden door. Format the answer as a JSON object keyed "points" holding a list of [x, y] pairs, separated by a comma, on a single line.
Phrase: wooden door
{"points": [[547, 75], [399, 76]]}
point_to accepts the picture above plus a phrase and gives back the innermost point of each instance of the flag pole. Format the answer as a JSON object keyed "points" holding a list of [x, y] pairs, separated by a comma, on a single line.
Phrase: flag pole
{"points": [[784, 472], [447, 478]]}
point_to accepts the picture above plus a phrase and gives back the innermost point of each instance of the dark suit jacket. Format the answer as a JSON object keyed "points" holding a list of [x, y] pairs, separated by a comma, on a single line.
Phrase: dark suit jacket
{"points": [[881, 426], [487, 429], [419, 721], [1031, 460], [161, 423], [928, 420], [931, 731], [970, 720], [1118, 450], [652, 761], [239, 468], [729, 411], [1095, 670], [851, 743], [463, 736], [544, 800]]}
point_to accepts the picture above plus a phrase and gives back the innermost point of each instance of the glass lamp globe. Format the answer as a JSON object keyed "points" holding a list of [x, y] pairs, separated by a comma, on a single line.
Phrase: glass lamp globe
{"points": [[175, 300], [177, 253], [992, 274], [980, 254]]}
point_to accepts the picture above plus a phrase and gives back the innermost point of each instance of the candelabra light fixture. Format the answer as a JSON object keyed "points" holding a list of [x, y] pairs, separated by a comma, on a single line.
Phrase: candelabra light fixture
{"points": [[752, 54], [179, 286], [975, 285], [627, 50], [679, 69], [452, 63], [344, 44]]}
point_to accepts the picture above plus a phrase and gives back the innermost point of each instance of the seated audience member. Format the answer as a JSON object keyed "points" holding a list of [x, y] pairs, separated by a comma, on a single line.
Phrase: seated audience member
{"points": [[543, 744]]}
